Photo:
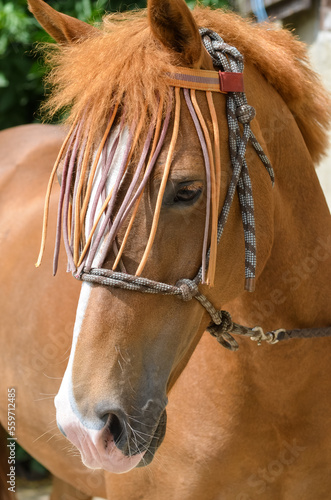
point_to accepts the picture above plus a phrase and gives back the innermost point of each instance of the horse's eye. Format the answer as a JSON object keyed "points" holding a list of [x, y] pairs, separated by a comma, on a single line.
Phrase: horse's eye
{"points": [[188, 193], [182, 194]]}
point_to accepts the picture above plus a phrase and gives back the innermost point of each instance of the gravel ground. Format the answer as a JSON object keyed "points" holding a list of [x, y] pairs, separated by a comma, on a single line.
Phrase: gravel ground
{"points": [[34, 492], [37, 491]]}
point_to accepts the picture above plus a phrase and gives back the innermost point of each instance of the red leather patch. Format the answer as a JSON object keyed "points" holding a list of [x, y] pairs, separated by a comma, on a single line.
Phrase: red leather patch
{"points": [[231, 82]]}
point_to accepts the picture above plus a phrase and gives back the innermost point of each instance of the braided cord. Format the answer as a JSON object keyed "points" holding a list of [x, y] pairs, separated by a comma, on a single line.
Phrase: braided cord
{"points": [[229, 59]]}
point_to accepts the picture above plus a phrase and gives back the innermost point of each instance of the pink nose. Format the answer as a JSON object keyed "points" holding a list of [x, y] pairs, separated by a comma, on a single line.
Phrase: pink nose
{"points": [[106, 446]]}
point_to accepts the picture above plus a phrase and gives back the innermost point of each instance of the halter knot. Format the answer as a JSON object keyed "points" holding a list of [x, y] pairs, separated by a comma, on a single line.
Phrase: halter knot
{"points": [[245, 113], [188, 288], [221, 331], [225, 322]]}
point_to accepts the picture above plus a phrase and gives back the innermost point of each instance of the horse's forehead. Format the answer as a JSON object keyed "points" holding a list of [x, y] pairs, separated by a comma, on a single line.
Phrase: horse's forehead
{"points": [[187, 159], [187, 164]]}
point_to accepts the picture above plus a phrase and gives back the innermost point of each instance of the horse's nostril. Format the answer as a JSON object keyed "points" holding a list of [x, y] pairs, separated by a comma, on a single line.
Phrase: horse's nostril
{"points": [[115, 427]]}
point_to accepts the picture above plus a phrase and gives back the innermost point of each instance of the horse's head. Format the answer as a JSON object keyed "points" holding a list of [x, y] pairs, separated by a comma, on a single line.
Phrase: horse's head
{"points": [[129, 347]]}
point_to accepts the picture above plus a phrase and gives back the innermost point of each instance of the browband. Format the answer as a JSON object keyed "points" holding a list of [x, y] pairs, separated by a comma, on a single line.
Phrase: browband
{"points": [[207, 80]]}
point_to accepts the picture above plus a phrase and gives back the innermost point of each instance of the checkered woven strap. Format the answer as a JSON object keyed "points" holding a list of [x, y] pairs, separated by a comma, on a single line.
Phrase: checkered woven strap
{"points": [[206, 80]]}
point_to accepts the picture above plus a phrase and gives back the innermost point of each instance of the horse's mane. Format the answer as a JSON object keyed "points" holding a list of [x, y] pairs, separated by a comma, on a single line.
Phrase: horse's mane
{"points": [[283, 60], [126, 60]]}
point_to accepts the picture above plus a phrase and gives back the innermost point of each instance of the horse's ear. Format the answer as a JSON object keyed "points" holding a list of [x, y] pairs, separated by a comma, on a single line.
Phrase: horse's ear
{"points": [[63, 28], [173, 25]]}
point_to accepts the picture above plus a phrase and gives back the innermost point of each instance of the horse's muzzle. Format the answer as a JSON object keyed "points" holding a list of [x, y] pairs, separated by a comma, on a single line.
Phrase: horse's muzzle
{"points": [[114, 440], [133, 436]]}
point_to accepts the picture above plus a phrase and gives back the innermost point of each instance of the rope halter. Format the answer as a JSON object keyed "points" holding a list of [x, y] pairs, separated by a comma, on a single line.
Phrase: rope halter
{"points": [[102, 223]]}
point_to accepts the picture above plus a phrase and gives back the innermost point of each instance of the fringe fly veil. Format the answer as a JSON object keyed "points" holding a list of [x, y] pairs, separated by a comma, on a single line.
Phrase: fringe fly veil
{"points": [[87, 221], [136, 70]]}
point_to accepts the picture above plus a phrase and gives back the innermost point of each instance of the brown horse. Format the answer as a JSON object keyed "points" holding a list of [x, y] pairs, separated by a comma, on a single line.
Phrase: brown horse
{"points": [[245, 425]]}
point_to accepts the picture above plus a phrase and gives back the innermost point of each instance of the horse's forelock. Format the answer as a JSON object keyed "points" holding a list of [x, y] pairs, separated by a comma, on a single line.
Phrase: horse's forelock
{"points": [[125, 61], [122, 65]]}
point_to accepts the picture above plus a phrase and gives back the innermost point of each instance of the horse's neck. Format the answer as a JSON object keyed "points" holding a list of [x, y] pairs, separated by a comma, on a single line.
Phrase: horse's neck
{"points": [[293, 289]]}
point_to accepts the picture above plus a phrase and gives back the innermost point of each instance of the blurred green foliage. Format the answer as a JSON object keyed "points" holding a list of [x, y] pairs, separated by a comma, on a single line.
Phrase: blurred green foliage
{"points": [[27, 467], [21, 71]]}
